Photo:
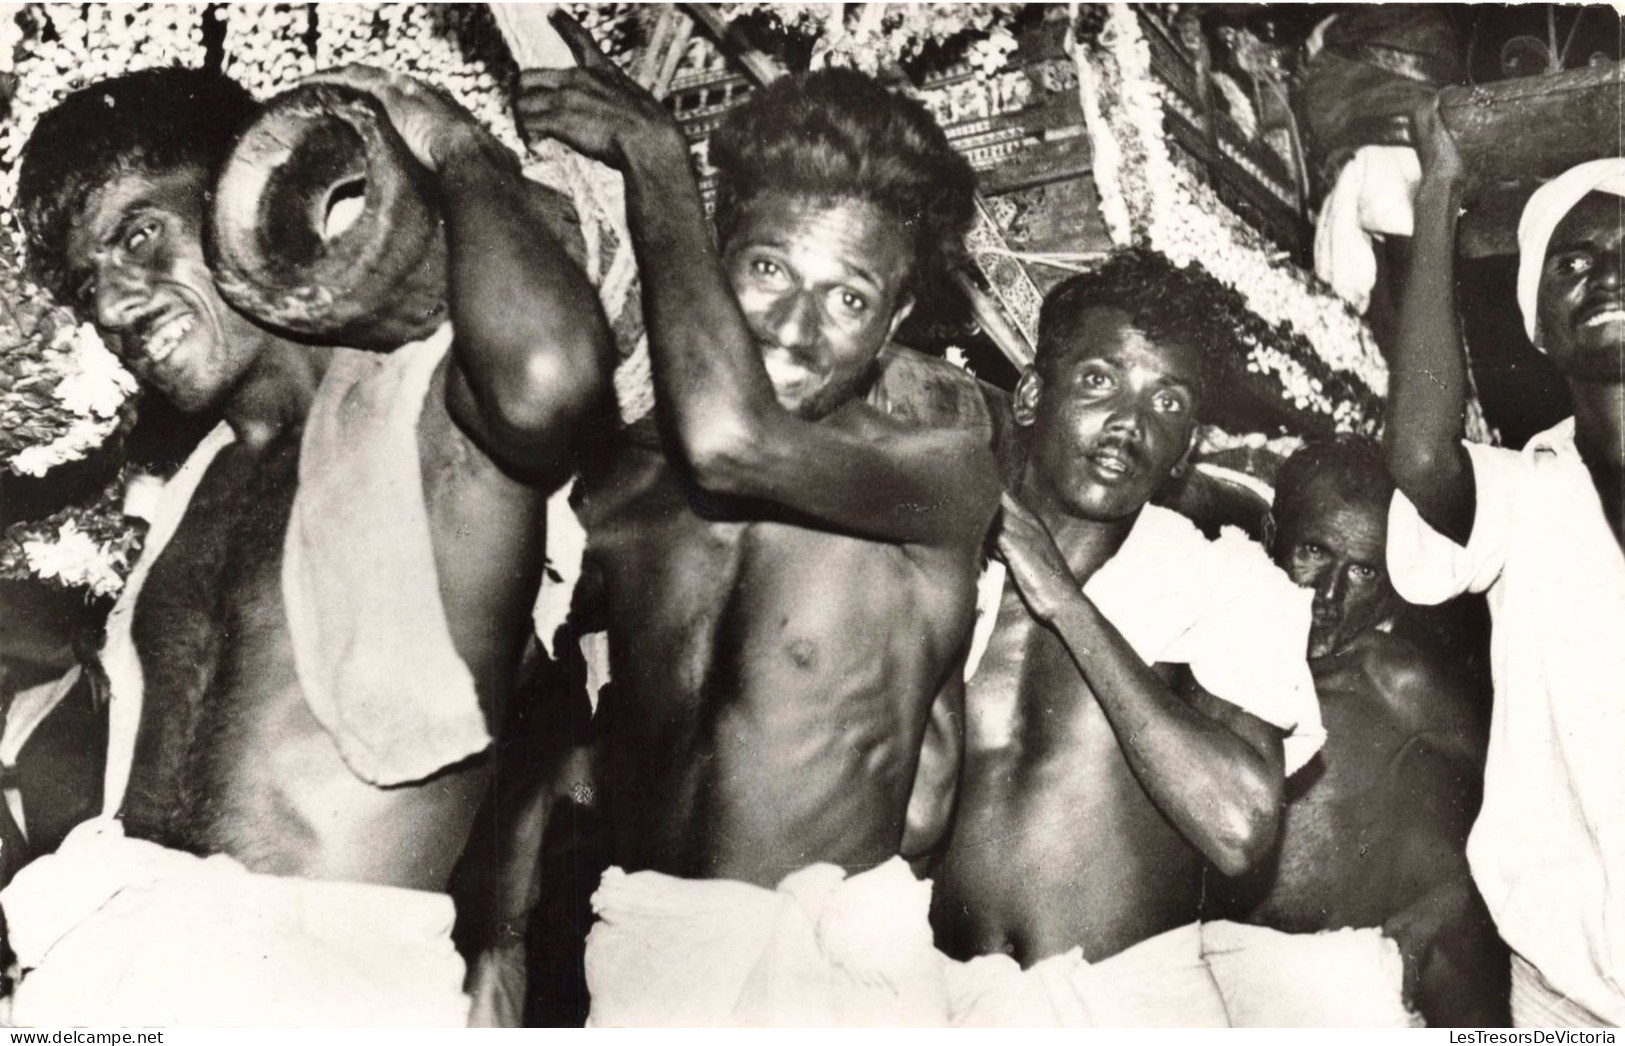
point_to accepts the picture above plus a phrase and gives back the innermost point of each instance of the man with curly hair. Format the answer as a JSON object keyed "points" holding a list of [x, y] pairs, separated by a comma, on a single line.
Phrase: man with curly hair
{"points": [[788, 562], [291, 778], [1137, 693]]}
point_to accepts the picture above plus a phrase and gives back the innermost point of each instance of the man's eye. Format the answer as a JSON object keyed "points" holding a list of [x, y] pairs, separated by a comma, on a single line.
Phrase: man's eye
{"points": [[1095, 379], [1170, 404], [140, 236], [1361, 572], [1573, 264], [1311, 550], [852, 302], [762, 267]]}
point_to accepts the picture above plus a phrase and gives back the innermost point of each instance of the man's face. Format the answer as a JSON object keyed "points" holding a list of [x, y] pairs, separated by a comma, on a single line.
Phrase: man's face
{"points": [[821, 284], [1580, 308], [1337, 547], [1115, 418], [136, 261]]}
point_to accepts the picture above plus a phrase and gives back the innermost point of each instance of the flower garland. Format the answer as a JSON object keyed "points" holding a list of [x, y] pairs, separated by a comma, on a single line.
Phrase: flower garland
{"points": [[1322, 354], [57, 48], [83, 546], [874, 37], [62, 393]]}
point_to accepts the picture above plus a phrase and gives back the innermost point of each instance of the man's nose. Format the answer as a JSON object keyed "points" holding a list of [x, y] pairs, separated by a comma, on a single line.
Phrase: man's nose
{"points": [[795, 320], [1128, 419], [121, 295], [1330, 586], [1605, 270]]}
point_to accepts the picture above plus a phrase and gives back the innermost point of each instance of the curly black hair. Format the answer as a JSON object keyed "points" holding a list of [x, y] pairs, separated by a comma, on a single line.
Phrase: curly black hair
{"points": [[1350, 466], [838, 134], [1164, 300], [152, 120]]}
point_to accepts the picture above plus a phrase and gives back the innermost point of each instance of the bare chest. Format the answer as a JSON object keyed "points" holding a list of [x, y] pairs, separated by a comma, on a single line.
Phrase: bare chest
{"points": [[205, 621]]}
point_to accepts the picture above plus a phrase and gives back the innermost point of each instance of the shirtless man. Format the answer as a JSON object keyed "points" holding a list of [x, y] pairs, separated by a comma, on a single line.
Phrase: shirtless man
{"points": [[790, 573], [1375, 830], [1540, 532], [1098, 777], [229, 756]]}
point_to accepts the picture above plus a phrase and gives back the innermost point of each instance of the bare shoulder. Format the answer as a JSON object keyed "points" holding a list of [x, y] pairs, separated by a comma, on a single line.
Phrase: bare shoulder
{"points": [[1428, 698]]}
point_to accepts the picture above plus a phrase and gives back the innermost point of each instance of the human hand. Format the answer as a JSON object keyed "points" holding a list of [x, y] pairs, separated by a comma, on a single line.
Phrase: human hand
{"points": [[595, 108], [1435, 146], [1042, 577], [430, 123]]}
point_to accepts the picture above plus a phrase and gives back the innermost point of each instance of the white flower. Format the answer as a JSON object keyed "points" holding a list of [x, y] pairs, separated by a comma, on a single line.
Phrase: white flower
{"points": [[75, 559]]}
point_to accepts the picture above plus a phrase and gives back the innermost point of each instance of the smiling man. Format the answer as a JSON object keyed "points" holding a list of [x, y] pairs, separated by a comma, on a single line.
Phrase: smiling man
{"points": [[327, 617], [788, 567], [1143, 691], [1373, 840], [1540, 531]]}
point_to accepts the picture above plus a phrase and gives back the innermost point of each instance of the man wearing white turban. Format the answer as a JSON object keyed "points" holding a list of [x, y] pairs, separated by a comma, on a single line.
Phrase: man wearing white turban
{"points": [[1540, 532]]}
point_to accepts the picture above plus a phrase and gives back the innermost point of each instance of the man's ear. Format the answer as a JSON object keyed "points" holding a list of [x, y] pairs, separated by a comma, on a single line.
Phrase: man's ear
{"points": [[898, 315], [1270, 531], [1184, 463], [1024, 404]]}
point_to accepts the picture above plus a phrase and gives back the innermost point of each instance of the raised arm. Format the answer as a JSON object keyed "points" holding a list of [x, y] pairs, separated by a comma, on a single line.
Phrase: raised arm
{"points": [[1427, 390], [532, 355], [930, 487], [1215, 772]]}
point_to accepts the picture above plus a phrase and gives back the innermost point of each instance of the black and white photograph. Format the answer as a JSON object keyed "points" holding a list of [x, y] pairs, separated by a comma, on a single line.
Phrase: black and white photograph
{"points": [[782, 516]]}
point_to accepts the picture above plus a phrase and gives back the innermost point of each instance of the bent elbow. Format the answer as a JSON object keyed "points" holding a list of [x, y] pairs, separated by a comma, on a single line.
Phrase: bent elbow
{"points": [[542, 388], [1249, 830], [721, 453]]}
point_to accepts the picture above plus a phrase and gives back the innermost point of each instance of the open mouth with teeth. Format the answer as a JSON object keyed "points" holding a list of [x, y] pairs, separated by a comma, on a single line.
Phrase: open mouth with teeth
{"points": [[162, 340], [1604, 316], [1112, 462]]}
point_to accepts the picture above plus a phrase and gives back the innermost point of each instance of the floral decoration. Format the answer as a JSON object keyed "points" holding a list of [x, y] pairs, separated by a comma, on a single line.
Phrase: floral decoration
{"points": [[83, 546], [1322, 355]]}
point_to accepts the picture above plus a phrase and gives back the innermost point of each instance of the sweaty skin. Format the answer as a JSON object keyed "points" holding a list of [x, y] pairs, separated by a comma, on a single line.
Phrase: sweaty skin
{"points": [[1375, 829], [1094, 786], [789, 578], [228, 757]]}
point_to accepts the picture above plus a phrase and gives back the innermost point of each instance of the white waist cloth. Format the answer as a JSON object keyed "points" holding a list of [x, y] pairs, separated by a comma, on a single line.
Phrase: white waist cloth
{"points": [[1349, 978], [112, 931], [1536, 1004], [1162, 982], [820, 950]]}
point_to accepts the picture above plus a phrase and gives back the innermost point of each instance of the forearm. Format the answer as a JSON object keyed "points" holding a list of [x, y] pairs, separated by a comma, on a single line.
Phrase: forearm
{"points": [[1210, 783], [1428, 387], [705, 363], [532, 345]]}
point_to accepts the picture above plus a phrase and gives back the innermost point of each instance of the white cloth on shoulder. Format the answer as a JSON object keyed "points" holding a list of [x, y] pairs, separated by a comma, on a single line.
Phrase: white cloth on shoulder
{"points": [[1219, 606], [1348, 978], [112, 931], [821, 950], [1161, 982], [1549, 205], [370, 637], [1548, 848]]}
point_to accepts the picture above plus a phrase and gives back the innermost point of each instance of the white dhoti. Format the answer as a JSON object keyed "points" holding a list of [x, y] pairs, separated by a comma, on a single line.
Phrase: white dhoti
{"points": [[1350, 978], [111, 931], [1161, 982], [1536, 1004], [820, 950]]}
